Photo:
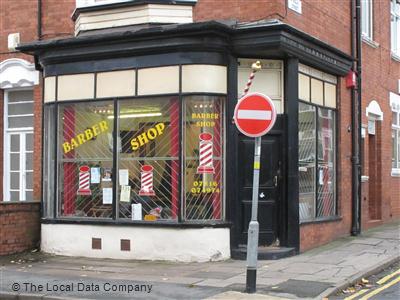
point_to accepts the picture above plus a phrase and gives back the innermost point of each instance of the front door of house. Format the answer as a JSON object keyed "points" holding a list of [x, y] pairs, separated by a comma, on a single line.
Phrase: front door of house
{"points": [[269, 195]]}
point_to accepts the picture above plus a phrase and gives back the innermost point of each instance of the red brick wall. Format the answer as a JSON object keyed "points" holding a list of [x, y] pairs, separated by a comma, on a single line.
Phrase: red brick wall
{"points": [[380, 76], [21, 16], [324, 19], [19, 227]]}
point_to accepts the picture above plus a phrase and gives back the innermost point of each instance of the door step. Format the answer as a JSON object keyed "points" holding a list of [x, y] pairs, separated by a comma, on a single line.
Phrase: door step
{"points": [[264, 253]]}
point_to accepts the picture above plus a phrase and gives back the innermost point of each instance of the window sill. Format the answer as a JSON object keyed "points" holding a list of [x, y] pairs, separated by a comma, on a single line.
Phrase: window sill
{"points": [[322, 220], [395, 57], [370, 42], [214, 224], [395, 173], [19, 202]]}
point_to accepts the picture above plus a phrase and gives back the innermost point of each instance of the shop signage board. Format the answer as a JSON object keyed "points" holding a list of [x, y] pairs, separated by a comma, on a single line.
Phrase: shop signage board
{"points": [[254, 116]]}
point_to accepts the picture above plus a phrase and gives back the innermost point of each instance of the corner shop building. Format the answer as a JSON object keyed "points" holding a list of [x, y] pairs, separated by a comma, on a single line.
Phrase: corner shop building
{"points": [[141, 158]]}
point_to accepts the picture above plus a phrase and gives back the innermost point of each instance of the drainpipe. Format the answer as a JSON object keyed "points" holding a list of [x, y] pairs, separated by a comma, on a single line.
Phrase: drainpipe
{"points": [[356, 119], [39, 19], [358, 53]]}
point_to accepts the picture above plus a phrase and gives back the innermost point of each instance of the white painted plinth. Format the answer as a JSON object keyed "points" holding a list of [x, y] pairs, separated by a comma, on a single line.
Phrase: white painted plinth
{"points": [[185, 245]]}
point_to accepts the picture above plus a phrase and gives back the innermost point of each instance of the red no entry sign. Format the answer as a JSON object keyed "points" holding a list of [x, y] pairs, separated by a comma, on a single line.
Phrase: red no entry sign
{"points": [[255, 115]]}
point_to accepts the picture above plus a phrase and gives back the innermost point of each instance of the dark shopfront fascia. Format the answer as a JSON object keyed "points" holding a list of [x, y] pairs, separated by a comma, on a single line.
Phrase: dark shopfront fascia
{"points": [[202, 50]]}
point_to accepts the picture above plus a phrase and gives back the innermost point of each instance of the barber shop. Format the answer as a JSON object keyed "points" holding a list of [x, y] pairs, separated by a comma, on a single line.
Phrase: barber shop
{"points": [[141, 157]]}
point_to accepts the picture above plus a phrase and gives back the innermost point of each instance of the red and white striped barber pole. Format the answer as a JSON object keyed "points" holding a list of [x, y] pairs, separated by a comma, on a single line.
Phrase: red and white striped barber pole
{"points": [[84, 181], [146, 181], [206, 154]]}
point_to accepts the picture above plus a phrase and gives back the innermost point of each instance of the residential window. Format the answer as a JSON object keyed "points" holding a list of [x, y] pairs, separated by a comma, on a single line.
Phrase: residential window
{"points": [[317, 145], [396, 142], [18, 148], [367, 18], [395, 27], [157, 158]]}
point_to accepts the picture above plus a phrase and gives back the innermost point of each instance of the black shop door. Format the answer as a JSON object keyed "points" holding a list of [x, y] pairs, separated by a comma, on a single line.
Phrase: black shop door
{"points": [[269, 194]]}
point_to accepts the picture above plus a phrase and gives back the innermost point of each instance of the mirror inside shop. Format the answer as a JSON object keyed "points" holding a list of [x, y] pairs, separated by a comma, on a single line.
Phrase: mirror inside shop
{"points": [[168, 163]]}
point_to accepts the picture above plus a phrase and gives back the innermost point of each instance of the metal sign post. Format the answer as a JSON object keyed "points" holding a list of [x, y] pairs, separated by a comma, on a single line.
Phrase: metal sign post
{"points": [[252, 238], [255, 115]]}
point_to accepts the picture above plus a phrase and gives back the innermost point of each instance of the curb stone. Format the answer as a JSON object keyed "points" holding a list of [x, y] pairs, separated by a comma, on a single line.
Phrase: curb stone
{"points": [[355, 278]]}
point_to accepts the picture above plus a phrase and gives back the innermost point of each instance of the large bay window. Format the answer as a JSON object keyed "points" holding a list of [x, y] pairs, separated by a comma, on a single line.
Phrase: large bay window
{"points": [[142, 159], [317, 145]]}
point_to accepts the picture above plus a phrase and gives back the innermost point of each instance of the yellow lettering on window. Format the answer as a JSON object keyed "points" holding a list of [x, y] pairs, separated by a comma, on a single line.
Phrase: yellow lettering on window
{"points": [[84, 137]]}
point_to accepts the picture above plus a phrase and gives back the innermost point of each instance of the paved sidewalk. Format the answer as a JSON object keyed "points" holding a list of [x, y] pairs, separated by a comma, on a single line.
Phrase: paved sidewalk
{"points": [[313, 274]]}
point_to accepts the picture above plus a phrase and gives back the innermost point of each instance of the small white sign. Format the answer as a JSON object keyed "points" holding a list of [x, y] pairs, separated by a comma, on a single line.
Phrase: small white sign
{"points": [[295, 5], [137, 212], [125, 193], [107, 196], [124, 177], [371, 127], [95, 175]]}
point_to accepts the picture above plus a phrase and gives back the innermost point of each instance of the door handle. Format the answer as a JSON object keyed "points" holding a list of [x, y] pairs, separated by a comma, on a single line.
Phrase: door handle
{"points": [[276, 180]]}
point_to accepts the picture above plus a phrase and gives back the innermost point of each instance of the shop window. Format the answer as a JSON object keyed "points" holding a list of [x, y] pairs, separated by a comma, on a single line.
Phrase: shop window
{"points": [[49, 161], [395, 27], [203, 158], [304, 87], [85, 159], [317, 166], [367, 18], [326, 204], [149, 159], [316, 162], [307, 161], [163, 162]]}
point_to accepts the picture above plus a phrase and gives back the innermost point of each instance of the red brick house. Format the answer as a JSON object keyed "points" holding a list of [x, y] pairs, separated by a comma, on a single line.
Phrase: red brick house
{"points": [[104, 107]]}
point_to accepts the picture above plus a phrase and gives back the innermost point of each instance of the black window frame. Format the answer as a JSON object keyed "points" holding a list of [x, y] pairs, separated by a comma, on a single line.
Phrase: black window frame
{"points": [[54, 216]]}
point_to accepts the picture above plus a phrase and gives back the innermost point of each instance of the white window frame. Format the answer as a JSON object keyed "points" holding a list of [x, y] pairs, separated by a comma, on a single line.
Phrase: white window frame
{"points": [[395, 107], [395, 27], [367, 12], [7, 132], [396, 129]]}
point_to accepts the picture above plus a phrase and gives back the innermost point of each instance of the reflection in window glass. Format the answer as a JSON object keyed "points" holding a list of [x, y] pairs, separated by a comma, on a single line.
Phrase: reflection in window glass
{"points": [[326, 171], [307, 161], [85, 159], [149, 159], [203, 134]]}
